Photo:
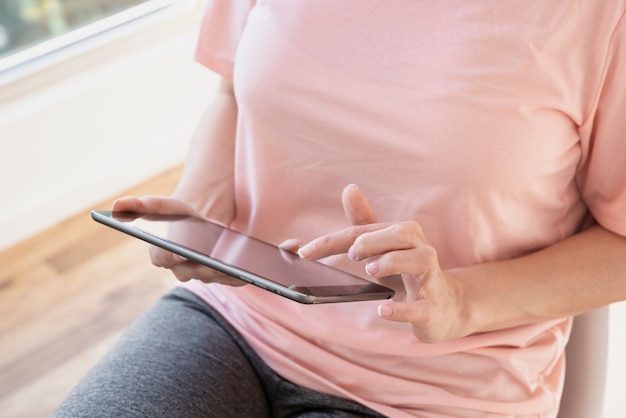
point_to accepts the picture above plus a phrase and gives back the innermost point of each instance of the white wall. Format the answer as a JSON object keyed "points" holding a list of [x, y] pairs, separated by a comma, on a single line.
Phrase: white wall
{"points": [[615, 399], [79, 131]]}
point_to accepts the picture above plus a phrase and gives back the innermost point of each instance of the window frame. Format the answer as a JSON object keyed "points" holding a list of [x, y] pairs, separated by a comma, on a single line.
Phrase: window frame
{"points": [[56, 49]]}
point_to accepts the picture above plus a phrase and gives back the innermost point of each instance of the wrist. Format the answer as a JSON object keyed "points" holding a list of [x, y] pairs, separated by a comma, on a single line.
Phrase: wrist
{"points": [[469, 308], [490, 302], [486, 303]]}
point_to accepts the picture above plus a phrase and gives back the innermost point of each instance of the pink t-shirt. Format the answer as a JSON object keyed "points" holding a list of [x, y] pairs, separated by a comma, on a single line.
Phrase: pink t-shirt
{"points": [[499, 126]]}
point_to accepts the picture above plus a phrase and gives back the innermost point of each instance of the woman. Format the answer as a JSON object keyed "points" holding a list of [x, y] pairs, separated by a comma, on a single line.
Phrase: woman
{"points": [[487, 142]]}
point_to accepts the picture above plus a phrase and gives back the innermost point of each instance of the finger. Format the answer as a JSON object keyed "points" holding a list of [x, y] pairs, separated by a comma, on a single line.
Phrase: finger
{"points": [[336, 242], [414, 262], [185, 270], [360, 214], [417, 313], [289, 250], [395, 263], [291, 245], [164, 258], [397, 236], [357, 208], [190, 270], [127, 204], [153, 204]]}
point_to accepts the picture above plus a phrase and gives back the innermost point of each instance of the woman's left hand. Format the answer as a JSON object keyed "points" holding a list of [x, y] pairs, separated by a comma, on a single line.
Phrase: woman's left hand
{"points": [[433, 304]]}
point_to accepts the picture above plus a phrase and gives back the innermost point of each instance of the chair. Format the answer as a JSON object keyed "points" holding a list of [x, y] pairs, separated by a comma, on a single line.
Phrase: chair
{"points": [[586, 366]]}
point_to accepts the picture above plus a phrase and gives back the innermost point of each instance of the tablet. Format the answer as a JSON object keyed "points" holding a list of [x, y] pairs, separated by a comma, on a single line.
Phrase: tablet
{"points": [[246, 258]]}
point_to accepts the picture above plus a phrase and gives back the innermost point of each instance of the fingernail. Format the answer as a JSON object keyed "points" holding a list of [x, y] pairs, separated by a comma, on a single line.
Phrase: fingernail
{"points": [[353, 186], [371, 268], [385, 310], [179, 258], [351, 253], [305, 251]]}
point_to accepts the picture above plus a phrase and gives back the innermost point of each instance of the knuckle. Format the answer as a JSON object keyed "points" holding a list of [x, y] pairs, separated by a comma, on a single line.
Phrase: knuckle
{"points": [[423, 328], [416, 228], [156, 203], [162, 258], [428, 254], [181, 277], [398, 232], [327, 241], [155, 261], [405, 233], [355, 233], [427, 338]]}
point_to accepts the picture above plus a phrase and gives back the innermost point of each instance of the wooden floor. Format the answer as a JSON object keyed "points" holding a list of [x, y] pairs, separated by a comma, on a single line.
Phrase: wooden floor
{"points": [[65, 296]]}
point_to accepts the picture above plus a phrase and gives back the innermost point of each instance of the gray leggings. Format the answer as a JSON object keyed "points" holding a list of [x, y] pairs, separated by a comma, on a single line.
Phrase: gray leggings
{"points": [[182, 359]]}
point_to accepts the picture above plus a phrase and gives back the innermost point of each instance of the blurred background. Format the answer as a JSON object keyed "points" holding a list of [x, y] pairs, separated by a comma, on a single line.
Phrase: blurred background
{"points": [[26, 23], [96, 97]]}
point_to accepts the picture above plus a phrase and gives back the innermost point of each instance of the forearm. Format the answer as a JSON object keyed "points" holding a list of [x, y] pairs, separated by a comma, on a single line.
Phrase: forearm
{"points": [[207, 180], [583, 272]]}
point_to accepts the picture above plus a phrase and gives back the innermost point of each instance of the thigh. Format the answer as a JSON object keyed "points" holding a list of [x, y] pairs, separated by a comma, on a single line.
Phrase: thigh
{"points": [[297, 401], [175, 360]]}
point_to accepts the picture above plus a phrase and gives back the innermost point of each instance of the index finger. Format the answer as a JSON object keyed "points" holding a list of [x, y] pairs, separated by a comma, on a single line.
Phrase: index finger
{"points": [[337, 242], [163, 258]]}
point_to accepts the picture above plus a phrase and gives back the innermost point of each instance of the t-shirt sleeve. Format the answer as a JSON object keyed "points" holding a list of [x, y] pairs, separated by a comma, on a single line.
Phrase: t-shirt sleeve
{"points": [[602, 177], [220, 30]]}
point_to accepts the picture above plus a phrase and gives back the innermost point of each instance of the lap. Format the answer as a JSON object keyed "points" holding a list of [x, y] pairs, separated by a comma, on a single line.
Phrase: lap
{"points": [[180, 358], [173, 361]]}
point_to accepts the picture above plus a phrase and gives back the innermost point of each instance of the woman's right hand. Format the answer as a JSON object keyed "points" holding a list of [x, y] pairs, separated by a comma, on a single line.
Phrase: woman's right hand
{"points": [[183, 269]]}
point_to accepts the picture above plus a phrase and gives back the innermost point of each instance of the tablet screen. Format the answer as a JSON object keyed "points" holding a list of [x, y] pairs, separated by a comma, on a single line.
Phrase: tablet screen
{"points": [[245, 258]]}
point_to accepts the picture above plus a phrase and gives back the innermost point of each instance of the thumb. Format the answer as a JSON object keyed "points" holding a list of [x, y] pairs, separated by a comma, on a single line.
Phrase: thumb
{"points": [[420, 316], [357, 208], [417, 313], [291, 245], [153, 204]]}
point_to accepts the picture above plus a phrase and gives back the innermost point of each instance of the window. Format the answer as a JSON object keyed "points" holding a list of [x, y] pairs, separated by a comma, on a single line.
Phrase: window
{"points": [[30, 29]]}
